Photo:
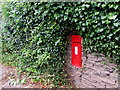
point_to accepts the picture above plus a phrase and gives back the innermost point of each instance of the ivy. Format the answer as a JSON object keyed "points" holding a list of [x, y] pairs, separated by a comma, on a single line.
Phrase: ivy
{"points": [[38, 33]]}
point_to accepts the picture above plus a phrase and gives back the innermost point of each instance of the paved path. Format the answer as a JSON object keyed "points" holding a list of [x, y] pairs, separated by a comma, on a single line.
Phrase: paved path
{"points": [[0, 77], [6, 74]]}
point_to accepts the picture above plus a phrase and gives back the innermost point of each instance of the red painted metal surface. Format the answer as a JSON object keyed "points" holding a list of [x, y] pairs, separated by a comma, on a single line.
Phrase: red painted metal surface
{"points": [[76, 50]]}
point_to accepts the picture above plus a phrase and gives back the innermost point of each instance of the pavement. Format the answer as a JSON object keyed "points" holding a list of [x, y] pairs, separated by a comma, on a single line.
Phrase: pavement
{"points": [[6, 78]]}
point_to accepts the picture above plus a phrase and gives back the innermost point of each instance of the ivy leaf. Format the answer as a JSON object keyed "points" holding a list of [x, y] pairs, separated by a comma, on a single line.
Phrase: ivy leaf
{"points": [[75, 20], [116, 24], [57, 42], [96, 13], [101, 30], [112, 17], [65, 18], [103, 17]]}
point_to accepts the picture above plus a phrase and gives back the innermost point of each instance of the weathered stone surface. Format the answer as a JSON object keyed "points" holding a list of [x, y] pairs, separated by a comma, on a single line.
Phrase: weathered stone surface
{"points": [[94, 74]]}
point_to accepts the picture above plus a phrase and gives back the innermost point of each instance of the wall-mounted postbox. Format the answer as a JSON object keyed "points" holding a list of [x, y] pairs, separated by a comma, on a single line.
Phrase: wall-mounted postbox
{"points": [[76, 50]]}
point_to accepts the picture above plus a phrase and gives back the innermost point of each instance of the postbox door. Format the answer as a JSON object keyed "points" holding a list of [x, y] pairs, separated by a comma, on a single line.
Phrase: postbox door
{"points": [[76, 54]]}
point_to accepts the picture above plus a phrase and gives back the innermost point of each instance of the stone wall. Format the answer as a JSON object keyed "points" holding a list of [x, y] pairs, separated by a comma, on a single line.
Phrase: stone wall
{"points": [[96, 72]]}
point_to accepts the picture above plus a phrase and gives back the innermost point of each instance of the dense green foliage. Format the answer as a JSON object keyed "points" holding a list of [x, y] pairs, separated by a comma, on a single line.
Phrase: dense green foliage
{"points": [[38, 33]]}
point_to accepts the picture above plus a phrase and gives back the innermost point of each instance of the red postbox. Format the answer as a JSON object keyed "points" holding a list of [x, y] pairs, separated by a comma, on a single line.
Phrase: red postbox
{"points": [[76, 50]]}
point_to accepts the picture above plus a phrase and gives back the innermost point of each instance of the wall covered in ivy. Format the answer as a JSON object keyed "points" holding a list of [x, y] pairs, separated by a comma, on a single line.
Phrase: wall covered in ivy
{"points": [[38, 32]]}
